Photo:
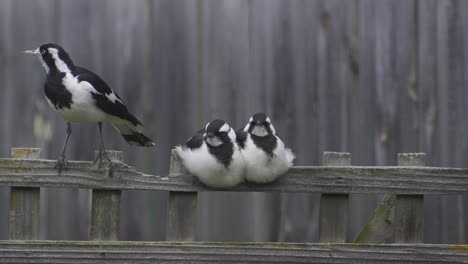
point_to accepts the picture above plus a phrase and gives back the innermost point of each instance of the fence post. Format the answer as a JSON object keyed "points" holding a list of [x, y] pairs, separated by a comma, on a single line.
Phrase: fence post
{"points": [[333, 222], [105, 209], [24, 203], [409, 208], [182, 213]]}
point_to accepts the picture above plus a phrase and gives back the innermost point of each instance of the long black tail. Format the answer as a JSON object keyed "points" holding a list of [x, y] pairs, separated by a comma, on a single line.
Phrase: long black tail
{"points": [[133, 135]]}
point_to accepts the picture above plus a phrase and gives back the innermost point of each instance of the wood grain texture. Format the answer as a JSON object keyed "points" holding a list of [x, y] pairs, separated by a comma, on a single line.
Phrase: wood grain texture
{"points": [[181, 222], [24, 203], [409, 210], [380, 227], [398, 218], [355, 179], [89, 252], [105, 208], [333, 222]]}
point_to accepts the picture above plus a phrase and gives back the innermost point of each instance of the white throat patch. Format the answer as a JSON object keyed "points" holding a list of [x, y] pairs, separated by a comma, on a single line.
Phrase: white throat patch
{"points": [[259, 131], [214, 141]]}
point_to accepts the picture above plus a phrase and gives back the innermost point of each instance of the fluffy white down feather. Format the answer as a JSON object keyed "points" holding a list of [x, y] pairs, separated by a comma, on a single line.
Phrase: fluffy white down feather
{"points": [[260, 167], [208, 170]]}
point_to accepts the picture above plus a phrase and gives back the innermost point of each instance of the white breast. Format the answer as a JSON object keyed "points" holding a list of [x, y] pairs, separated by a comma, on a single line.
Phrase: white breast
{"points": [[83, 107], [200, 163], [260, 167]]}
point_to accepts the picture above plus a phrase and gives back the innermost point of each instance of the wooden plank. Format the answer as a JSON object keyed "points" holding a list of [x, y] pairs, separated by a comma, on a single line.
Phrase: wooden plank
{"points": [[24, 203], [105, 209], [334, 207], [211, 252], [409, 208], [354, 179], [380, 227], [182, 213], [398, 218]]}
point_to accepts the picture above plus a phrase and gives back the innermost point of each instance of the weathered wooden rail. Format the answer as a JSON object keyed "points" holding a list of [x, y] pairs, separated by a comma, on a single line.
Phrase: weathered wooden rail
{"points": [[398, 220]]}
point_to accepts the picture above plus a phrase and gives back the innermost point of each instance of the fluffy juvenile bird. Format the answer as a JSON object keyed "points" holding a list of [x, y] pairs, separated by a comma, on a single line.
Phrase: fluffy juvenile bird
{"points": [[264, 152], [79, 95], [213, 156]]}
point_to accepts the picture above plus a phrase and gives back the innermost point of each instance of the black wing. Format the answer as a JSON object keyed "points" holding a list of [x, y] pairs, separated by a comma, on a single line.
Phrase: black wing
{"points": [[196, 140], [102, 96], [241, 137]]}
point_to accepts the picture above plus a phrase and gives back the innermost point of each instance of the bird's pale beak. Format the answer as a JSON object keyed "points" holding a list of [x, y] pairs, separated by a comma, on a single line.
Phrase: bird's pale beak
{"points": [[31, 52]]}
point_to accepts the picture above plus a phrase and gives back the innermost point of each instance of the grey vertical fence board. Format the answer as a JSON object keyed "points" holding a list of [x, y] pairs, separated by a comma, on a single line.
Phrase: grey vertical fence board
{"points": [[431, 69], [130, 56], [28, 92], [225, 74], [181, 222], [459, 56], [71, 22], [6, 28], [294, 224], [363, 108], [170, 76], [277, 66], [24, 203], [462, 202], [333, 221], [409, 208], [105, 208], [405, 73], [386, 90]]}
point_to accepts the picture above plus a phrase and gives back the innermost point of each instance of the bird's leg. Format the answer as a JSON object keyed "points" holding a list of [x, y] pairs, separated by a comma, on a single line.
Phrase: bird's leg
{"points": [[61, 162], [102, 149]]}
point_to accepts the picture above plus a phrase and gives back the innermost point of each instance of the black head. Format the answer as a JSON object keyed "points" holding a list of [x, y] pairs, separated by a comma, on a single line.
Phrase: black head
{"points": [[260, 125], [53, 57], [218, 132]]}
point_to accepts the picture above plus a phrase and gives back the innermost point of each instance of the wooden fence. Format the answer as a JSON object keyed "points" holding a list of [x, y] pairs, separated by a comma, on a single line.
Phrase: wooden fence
{"points": [[393, 234]]}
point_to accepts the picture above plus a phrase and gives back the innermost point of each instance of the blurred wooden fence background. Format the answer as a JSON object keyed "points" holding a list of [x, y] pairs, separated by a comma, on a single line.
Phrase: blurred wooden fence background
{"points": [[369, 77]]}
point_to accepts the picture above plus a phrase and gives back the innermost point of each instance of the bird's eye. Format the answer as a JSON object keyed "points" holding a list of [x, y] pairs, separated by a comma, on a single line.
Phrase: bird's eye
{"points": [[42, 52]]}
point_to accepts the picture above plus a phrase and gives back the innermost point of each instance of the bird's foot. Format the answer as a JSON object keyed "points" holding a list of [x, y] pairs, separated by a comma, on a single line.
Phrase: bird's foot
{"points": [[61, 163], [100, 156]]}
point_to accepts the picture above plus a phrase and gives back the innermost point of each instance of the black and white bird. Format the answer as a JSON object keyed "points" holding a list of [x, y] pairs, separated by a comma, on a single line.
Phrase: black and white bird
{"points": [[213, 156], [79, 95], [264, 152]]}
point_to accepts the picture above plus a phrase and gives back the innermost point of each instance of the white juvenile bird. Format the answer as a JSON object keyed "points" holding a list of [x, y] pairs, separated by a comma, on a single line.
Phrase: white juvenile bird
{"points": [[79, 95], [264, 152], [213, 156]]}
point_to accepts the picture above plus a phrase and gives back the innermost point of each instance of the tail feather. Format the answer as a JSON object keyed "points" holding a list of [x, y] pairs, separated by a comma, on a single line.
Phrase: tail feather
{"points": [[133, 136]]}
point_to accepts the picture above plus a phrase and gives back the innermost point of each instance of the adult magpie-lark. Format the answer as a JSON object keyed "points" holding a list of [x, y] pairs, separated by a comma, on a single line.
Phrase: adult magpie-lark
{"points": [[79, 95], [264, 152], [213, 156]]}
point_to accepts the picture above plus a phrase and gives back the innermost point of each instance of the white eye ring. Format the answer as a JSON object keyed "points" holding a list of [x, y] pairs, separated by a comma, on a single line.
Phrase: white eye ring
{"points": [[42, 51]]}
